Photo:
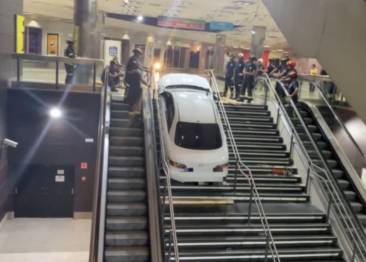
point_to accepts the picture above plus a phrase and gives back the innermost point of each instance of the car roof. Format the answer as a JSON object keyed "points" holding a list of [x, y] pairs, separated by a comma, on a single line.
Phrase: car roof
{"points": [[184, 80], [194, 106]]}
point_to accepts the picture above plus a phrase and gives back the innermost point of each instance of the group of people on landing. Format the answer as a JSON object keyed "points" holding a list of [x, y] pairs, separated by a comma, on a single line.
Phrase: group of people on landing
{"points": [[241, 75]]}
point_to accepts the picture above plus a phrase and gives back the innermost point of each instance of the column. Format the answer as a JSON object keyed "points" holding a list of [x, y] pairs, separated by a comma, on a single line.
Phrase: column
{"points": [[87, 29], [219, 55], [258, 37], [149, 51]]}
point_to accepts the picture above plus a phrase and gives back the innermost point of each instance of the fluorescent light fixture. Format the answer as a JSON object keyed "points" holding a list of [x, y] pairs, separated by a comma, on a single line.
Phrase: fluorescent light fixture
{"points": [[55, 112], [140, 18]]}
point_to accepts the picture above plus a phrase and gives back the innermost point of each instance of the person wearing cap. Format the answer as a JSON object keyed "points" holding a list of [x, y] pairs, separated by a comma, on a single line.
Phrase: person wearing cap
{"points": [[239, 75], [250, 72], [70, 68], [133, 80], [229, 76]]}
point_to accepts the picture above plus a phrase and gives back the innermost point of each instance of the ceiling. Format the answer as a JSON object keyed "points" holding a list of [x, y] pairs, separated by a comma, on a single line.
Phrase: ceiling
{"points": [[246, 13]]}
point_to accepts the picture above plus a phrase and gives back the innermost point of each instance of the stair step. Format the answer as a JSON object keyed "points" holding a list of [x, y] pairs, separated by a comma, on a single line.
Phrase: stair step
{"points": [[125, 238], [125, 184], [135, 209], [126, 196], [127, 151], [119, 106], [126, 141], [127, 254], [121, 114], [126, 131], [126, 172], [116, 161], [126, 223]]}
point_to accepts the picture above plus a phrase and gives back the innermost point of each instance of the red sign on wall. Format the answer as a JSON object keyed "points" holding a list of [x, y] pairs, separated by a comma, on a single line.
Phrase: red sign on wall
{"points": [[83, 165], [179, 23]]}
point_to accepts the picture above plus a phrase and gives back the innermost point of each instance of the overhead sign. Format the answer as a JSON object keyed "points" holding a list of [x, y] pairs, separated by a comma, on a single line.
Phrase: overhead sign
{"points": [[221, 26], [20, 33], [180, 23]]}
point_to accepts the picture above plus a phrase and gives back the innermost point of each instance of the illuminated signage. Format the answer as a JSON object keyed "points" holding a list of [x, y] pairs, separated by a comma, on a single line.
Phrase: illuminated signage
{"points": [[221, 26], [180, 23], [19, 34]]}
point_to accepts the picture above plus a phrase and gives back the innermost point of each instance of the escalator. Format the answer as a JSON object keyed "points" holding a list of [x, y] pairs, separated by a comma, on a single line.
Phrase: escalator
{"points": [[126, 225], [345, 182]]}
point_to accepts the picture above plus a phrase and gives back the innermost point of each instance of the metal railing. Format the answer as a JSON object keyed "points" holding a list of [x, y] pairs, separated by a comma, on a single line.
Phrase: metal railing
{"points": [[336, 201], [322, 100], [167, 199], [242, 170], [101, 173], [58, 61]]}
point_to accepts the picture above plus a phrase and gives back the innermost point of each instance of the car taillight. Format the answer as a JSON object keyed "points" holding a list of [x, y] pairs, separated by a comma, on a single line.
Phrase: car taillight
{"points": [[220, 168], [177, 165]]}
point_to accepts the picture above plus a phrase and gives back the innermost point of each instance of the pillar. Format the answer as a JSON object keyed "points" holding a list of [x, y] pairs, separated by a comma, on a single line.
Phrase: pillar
{"points": [[219, 55], [258, 37], [149, 51], [87, 33]]}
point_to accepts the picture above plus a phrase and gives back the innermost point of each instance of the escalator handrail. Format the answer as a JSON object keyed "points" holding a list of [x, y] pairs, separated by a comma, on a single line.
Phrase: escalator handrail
{"points": [[244, 170], [338, 119], [337, 196], [101, 173], [152, 174], [168, 189]]}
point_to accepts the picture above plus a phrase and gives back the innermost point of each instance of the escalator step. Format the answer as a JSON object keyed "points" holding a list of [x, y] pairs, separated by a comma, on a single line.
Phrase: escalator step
{"points": [[126, 223], [127, 254], [125, 238]]}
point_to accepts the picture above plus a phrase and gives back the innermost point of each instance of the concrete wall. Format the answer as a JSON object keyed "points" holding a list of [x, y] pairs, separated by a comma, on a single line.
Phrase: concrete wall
{"points": [[7, 70], [333, 31]]}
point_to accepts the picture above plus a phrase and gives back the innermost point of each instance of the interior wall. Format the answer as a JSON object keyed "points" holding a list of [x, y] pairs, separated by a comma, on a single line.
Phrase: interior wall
{"points": [[7, 70], [58, 142], [333, 31]]}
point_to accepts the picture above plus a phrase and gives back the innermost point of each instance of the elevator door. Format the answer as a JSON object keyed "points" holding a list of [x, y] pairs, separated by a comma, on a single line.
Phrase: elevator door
{"points": [[45, 191]]}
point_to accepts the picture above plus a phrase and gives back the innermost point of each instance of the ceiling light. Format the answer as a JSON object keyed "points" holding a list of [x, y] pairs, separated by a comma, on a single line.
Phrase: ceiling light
{"points": [[140, 18], [169, 43], [253, 32], [55, 112], [125, 37], [33, 23]]}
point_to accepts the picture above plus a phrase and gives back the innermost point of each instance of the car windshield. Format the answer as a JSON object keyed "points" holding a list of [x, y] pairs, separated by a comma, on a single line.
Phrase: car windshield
{"points": [[198, 136]]}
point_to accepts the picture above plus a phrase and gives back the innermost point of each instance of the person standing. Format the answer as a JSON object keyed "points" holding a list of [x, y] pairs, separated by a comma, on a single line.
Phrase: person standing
{"points": [[313, 72], [229, 76], [70, 68], [133, 81], [250, 72], [239, 75]]}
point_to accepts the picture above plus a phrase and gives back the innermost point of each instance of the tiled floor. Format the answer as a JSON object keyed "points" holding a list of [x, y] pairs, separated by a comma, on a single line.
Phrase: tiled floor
{"points": [[45, 240]]}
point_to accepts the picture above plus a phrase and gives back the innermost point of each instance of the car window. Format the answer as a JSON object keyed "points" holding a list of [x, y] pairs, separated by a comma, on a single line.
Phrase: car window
{"points": [[169, 109], [198, 136]]}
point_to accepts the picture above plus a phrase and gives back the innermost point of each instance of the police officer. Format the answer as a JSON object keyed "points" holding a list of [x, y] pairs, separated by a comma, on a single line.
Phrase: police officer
{"points": [[239, 75], [229, 76], [250, 72], [70, 69], [133, 81]]}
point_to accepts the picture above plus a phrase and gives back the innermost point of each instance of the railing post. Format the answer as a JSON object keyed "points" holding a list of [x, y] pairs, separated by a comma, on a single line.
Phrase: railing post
{"points": [[265, 93], [292, 144], [354, 253], [307, 184], [329, 209], [278, 117], [250, 202], [18, 71], [57, 74], [267, 248], [236, 175], [170, 244], [94, 76]]}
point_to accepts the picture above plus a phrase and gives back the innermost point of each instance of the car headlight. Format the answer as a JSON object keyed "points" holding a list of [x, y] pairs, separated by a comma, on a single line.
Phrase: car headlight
{"points": [[220, 168], [177, 165]]}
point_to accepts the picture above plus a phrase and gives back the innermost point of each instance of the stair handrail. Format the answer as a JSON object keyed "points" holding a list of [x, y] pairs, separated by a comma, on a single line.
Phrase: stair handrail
{"points": [[245, 172], [101, 173], [168, 191], [336, 200]]}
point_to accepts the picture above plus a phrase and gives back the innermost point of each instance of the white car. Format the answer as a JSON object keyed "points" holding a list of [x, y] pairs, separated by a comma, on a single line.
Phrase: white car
{"points": [[195, 141]]}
